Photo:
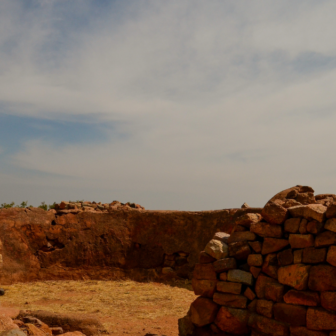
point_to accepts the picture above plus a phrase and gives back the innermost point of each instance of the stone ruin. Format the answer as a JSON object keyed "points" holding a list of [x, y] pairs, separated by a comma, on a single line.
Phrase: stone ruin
{"points": [[274, 275]]}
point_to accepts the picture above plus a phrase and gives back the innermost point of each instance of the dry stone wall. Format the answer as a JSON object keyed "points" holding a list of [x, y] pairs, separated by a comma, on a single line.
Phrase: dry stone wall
{"points": [[274, 275]]}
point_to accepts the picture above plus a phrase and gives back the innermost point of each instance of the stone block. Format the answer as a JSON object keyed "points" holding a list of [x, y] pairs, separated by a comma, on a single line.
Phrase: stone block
{"points": [[314, 227], [265, 308], [229, 287], [241, 236], [231, 320], [302, 298], [331, 256], [223, 276], [261, 283], [270, 266], [298, 256], [204, 272], [299, 241], [290, 314], [295, 276], [205, 258], [205, 288], [285, 257], [217, 249], [256, 246], [248, 219], [267, 326], [274, 292], [312, 255], [303, 331], [328, 300], [255, 260], [249, 294], [223, 265], [255, 271], [331, 210], [230, 300], [311, 211], [322, 278], [325, 238], [239, 250], [274, 213], [330, 224], [263, 229], [271, 245], [292, 225], [221, 236], [303, 226], [203, 311], [252, 306], [241, 277], [320, 319]]}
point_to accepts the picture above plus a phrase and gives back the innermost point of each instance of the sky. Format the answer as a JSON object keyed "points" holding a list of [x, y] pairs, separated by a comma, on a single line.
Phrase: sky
{"points": [[175, 105]]}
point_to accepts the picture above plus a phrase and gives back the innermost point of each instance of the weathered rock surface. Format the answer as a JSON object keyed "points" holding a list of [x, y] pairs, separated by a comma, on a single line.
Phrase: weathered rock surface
{"points": [[232, 320], [322, 278], [203, 311], [295, 276]]}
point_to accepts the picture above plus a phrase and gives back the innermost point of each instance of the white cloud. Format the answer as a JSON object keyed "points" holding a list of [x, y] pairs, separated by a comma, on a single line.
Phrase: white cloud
{"points": [[215, 105]]}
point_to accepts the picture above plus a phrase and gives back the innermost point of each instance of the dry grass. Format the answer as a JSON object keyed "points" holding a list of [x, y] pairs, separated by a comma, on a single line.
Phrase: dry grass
{"points": [[126, 300]]}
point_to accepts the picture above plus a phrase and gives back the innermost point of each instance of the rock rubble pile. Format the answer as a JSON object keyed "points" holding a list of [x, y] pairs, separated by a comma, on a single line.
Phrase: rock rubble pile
{"points": [[274, 275]]}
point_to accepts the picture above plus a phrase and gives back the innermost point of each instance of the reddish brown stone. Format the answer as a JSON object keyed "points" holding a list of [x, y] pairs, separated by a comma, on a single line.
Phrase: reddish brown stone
{"points": [[232, 320], [239, 228], [230, 300], [298, 241], [292, 225], [328, 300], [320, 319], [249, 294], [223, 276], [270, 266], [264, 308], [248, 219], [331, 256], [303, 331], [322, 278], [205, 258], [261, 283], [331, 211], [293, 315], [330, 224], [225, 264], [274, 292], [267, 326], [271, 245], [255, 271], [294, 275], [274, 213], [313, 255], [306, 198], [311, 211], [298, 256], [263, 229], [325, 238], [314, 227], [229, 287], [303, 226], [256, 246], [239, 250], [241, 236], [285, 257], [255, 260], [252, 306], [204, 272], [302, 298], [240, 276], [205, 288], [203, 311]]}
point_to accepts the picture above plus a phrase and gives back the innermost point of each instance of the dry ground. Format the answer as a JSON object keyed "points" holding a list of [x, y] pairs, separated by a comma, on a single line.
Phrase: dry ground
{"points": [[124, 307]]}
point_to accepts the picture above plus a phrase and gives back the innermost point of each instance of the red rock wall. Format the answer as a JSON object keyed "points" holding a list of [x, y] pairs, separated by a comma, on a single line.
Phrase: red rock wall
{"points": [[275, 277], [138, 244]]}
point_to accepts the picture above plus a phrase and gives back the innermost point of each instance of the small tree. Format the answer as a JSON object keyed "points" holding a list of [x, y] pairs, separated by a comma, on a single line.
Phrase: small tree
{"points": [[43, 206], [7, 205], [23, 205]]}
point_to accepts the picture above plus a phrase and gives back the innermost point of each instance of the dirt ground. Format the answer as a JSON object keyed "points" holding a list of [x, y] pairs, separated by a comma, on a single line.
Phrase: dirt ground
{"points": [[124, 307]]}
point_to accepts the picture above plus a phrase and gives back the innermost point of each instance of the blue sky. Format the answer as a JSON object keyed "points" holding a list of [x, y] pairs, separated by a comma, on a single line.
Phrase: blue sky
{"points": [[175, 105]]}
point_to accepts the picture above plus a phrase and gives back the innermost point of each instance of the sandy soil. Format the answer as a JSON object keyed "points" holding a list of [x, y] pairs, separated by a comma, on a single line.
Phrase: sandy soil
{"points": [[124, 307]]}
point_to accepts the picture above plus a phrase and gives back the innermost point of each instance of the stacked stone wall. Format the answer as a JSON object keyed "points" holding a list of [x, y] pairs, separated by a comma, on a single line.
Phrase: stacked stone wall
{"points": [[274, 275]]}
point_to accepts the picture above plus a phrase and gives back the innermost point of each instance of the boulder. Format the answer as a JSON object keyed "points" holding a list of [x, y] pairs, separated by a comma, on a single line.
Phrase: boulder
{"points": [[239, 250], [292, 225], [229, 287], [274, 292], [204, 272], [331, 256], [32, 330], [247, 219], [271, 245], [256, 246], [263, 229], [322, 278], [230, 300], [240, 276], [297, 259], [221, 236], [224, 265], [255, 271], [302, 298], [255, 260], [265, 308], [203, 311], [261, 283], [312, 255], [290, 314], [331, 210], [274, 213], [249, 294], [285, 257], [330, 224], [295, 276], [328, 300], [311, 211], [205, 258], [270, 266], [217, 249], [267, 326], [314, 227], [298, 241], [205, 288], [320, 319], [232, 320], [325, 238], [6, 323]]}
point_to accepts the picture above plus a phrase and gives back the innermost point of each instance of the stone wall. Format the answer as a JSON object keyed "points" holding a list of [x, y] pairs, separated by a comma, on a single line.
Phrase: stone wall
{"points": [[276, 275]]}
